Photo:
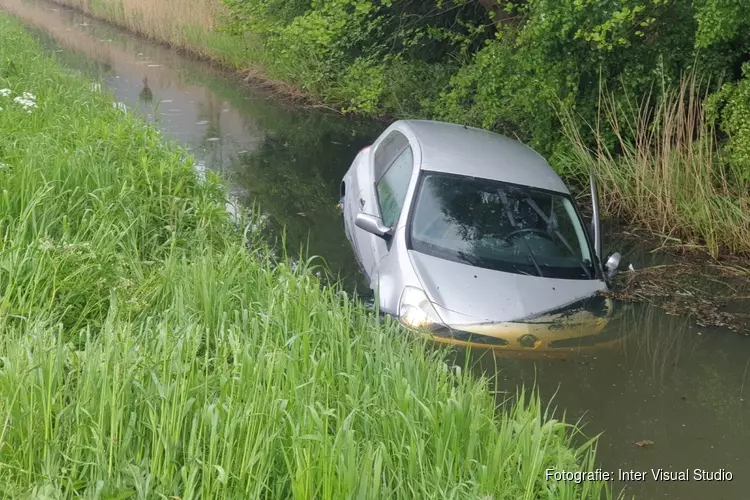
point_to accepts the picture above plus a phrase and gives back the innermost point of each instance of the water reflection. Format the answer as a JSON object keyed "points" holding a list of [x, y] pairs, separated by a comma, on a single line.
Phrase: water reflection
{"points": [[146, 95], [661, 340]]}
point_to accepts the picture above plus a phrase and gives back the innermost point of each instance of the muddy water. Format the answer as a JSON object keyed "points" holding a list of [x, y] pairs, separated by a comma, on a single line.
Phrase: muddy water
{"points": [[664, 381]]}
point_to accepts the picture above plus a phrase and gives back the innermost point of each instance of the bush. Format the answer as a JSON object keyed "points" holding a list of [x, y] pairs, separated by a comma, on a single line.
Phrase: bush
{"points": [[369, 57], [732, 106]]}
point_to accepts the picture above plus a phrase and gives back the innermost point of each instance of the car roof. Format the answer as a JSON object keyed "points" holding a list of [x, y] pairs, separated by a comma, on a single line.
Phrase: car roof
{"points": [[457, 149]]}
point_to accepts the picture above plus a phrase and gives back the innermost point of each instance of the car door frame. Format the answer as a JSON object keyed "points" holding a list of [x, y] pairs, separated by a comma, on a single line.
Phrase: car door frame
{"points": [[596, 223], [377, 247]]}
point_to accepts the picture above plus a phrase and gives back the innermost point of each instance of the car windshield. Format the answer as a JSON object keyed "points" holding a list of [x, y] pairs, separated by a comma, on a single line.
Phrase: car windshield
{"points": [[500, 226]]}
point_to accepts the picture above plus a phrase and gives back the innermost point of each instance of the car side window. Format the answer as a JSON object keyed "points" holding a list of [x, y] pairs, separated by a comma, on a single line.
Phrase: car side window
{"points": [[393, 185], [387, 151]]}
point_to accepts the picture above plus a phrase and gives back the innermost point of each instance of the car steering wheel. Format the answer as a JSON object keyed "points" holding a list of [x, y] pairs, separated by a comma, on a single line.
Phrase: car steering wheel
{"points": [[530, 230]]}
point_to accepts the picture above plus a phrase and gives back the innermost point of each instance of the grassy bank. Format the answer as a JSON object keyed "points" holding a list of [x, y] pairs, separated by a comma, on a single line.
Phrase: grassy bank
{"points": [[150, 348]]}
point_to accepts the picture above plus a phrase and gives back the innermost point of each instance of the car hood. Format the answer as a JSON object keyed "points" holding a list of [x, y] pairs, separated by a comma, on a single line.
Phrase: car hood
{"points": [[468, 294]]}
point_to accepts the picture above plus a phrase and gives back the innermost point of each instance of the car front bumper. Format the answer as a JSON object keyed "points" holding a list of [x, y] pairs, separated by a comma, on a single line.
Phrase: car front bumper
{"points": [[572, 330]]}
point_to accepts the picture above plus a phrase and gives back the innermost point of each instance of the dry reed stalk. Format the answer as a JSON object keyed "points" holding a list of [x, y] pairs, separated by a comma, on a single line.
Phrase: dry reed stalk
{"points": [[664, 172], [165, 20]]}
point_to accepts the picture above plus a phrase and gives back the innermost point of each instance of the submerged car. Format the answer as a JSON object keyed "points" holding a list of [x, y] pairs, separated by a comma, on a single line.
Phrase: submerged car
{"points": [[473, 237]]}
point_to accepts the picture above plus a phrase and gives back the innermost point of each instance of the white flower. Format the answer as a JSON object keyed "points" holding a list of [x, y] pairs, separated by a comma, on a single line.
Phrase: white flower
{"points": [[200, 170], [46, 244], [4, 92], [26, 102], [29, 96], [3, 165]]}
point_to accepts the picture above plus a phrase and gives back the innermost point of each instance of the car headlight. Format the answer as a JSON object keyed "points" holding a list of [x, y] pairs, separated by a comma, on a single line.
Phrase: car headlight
{"points": [[416, 310]]}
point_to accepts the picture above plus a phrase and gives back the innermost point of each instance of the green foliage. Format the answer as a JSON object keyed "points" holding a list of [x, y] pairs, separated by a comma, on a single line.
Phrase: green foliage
{"points": [[352, 52], [731, 106], [500, 92], [50, 178], [509, 66], [722, 21], [549, 54]]}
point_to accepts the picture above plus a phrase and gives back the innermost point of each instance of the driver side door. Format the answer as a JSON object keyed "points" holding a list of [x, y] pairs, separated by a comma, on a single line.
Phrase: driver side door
{"points": [[384, 196]]}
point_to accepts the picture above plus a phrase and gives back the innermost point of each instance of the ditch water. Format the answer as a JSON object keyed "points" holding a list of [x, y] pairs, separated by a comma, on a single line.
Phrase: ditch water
{"points": [[666, 395]]}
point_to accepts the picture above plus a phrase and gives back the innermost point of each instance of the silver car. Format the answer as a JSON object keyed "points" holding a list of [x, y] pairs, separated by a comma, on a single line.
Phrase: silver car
{"points": [[473, 237]]}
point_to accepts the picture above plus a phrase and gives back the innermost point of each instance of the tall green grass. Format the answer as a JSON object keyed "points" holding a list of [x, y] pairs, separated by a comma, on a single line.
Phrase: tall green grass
{"points": [[151, 348]]}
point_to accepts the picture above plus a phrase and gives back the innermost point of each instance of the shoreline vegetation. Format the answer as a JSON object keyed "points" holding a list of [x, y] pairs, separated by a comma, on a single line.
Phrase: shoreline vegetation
{"points": [[652, 96], [150, 346]]}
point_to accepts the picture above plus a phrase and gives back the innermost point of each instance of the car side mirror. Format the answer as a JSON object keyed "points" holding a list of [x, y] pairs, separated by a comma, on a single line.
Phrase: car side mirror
{"points": [[612, 264], [373, 225]]}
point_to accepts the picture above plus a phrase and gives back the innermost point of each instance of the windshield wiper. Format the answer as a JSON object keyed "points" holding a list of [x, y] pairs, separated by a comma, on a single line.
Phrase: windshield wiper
{"points": [[556, 230], [506, 205]]}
